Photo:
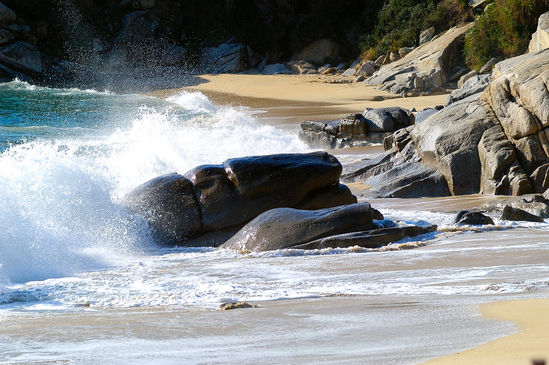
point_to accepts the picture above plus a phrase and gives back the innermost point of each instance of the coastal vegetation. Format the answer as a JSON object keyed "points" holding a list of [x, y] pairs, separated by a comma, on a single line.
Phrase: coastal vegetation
{"points": [[503, 30]]}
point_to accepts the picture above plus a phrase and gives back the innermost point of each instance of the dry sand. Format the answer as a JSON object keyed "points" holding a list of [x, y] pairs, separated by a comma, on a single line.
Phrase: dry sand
{"points": [[292, 98], [530, 343]]}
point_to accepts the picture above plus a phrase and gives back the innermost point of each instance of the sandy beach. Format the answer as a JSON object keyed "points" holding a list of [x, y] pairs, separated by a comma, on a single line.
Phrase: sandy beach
{"points": [[528, 344]]}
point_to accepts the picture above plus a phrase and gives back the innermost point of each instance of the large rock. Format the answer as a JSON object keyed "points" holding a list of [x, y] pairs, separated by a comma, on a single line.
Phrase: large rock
{"points": [[343, 226], [425, 68], [540, 39], [319, 52], [516, 214], [495, 142], [22, 56], [284, 227], [219, 197], [170, 207], [228, 57], [302, 67], [466, 217], [250, 186], [275, 69], [7, 15], [473, 85]]}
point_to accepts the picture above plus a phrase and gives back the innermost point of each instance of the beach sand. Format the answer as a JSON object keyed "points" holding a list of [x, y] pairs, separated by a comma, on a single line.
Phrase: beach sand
{"points": [[530, 343], [293, 98], [290, 99]]}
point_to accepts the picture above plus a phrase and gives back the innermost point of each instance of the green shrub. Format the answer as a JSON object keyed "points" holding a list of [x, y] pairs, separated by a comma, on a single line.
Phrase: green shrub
{"points": [[400, 21], [503, 30]]}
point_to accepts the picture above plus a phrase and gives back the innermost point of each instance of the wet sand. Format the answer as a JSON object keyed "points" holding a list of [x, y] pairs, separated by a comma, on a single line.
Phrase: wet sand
{"points": [[339, 330]]}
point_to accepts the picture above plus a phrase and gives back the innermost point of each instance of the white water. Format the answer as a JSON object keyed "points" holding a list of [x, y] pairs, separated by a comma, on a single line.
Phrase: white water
{"points": [[59, 194], [66, 241]]}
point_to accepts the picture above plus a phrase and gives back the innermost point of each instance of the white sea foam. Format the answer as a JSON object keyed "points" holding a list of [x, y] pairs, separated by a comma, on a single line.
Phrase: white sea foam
{"points": [[60, 213]]}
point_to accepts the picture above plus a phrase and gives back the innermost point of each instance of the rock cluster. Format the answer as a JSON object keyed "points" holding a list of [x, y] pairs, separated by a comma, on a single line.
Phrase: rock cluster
{"points": [[218, 197], [372, 126], [427, 68], [493, 142], [263, 203]]}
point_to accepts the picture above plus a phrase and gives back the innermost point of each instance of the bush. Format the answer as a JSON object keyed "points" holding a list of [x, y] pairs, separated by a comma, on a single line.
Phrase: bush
{"points": [[503, 30], [400, 21]]}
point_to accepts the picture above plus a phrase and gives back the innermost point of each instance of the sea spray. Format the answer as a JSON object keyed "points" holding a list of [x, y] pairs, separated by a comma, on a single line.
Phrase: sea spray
{"points": [[69, 156]]}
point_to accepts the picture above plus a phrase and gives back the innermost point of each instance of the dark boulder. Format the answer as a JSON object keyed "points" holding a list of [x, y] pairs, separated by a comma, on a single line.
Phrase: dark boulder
{"points": [[344, 226], [285, 227], [221, 197], [515, 214], [356, 130], [466, 217], [168, 204]]}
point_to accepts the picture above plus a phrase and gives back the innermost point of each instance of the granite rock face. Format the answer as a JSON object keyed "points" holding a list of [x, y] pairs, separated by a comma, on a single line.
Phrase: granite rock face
{"points": [[426, 68], [228, 57], [218, 197], [493, 142], [540, 39]]}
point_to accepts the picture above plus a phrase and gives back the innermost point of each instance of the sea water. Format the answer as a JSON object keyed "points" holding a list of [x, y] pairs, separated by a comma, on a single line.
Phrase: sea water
{"points": [[69, 250]]}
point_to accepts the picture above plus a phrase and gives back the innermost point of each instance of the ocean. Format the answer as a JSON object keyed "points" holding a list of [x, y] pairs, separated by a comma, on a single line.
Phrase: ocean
{"points": [[81, 280]]}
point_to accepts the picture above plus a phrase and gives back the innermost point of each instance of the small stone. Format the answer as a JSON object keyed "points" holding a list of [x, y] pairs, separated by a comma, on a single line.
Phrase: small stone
{"points": [[236, 305], [466, 217]]}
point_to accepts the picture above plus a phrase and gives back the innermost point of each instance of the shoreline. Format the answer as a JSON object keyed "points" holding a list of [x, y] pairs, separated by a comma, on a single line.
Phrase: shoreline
{"points": [[290, 99], [285, 100], [527, 344]]}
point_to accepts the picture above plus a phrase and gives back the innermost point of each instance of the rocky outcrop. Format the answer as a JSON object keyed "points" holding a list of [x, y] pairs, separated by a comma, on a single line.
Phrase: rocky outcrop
{"points": [[471, 86], [494, 142], [343, 226], [540, 39], [426, 68], [372, 126], [228, 57], [217, 197], [319, 52], [516, 214]]}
